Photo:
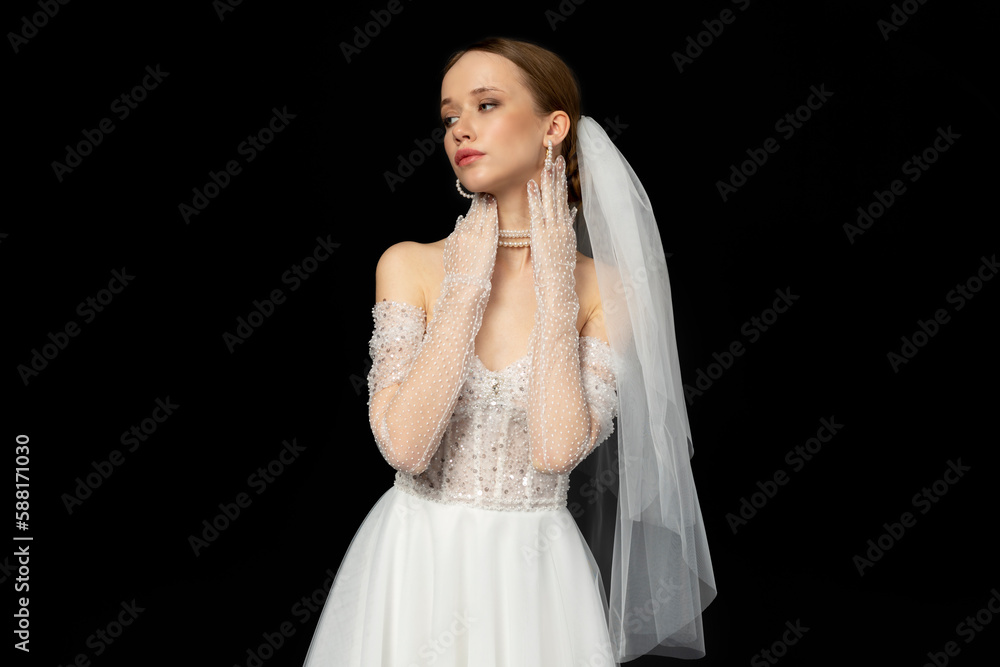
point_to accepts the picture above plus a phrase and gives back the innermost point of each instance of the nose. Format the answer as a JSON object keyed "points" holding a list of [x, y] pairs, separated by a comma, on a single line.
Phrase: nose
{"points": [[462, 130]]}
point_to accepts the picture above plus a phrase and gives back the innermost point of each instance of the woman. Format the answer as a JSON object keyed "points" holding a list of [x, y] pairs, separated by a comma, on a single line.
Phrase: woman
{"points": [[494, 375]]}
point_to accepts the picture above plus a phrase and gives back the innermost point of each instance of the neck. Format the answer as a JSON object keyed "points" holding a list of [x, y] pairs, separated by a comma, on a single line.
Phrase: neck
{"points": [[513, 214], [512, 204], [512, 210]]}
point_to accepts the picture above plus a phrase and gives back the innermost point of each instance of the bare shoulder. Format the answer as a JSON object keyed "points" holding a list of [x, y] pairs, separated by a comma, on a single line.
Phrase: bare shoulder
{"points": [[590, 297], [403, 272], [586, 277]]}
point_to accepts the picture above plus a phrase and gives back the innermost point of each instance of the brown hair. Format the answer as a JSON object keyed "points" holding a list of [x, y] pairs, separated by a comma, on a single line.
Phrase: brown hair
{"points": [[553, 87]]}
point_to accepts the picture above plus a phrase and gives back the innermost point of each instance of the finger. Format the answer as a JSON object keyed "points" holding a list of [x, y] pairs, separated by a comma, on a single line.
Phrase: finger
{"points": [[490, 221], [471, 213], [560, 179], [486, 210], [548, 195], [477, 217], [534, 204], [488, 202]]}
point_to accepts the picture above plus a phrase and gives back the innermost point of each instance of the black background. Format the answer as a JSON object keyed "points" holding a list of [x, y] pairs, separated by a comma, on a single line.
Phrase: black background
{"points": [[301, 375]]}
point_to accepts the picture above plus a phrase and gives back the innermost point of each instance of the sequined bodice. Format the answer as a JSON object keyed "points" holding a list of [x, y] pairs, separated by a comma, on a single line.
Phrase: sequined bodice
{"points": [[483, 458]]}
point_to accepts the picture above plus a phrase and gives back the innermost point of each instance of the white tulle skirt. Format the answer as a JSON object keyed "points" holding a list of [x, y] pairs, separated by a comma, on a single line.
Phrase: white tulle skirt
{"points": [[429, 583]]}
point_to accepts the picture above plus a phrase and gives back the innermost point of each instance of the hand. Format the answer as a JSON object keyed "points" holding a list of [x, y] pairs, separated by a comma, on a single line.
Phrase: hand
{"points": [[471, 249], [553, 240]]}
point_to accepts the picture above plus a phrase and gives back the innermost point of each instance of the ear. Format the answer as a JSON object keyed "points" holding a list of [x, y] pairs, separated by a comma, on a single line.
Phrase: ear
{"points": [[557, 128]]}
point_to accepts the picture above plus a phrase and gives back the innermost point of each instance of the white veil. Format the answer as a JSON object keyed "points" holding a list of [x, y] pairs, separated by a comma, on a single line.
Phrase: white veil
{"points": [[654, 554]]}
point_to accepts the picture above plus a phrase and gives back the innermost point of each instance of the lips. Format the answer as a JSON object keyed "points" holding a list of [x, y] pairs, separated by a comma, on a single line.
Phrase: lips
{"points": [[466, 156]]}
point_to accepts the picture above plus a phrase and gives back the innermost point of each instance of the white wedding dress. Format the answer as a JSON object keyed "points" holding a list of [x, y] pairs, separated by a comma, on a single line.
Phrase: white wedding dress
{"points": [[477, 561]]}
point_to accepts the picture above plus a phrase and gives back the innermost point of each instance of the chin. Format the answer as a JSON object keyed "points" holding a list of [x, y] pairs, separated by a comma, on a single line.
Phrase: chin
{"points": [[476, 184], [494, 186]]}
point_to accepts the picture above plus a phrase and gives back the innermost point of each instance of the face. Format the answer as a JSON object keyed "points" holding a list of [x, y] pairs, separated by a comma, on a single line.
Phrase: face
{"points": [[487, 109]]}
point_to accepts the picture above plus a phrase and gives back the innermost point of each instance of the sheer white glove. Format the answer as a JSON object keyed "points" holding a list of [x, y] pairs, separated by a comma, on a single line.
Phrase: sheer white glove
{"points": [[560, 432], [470, 251], [408, 423]]}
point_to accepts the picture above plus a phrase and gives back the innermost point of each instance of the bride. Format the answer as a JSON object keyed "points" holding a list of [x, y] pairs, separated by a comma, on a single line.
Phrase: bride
{"points": [[495, 373]]}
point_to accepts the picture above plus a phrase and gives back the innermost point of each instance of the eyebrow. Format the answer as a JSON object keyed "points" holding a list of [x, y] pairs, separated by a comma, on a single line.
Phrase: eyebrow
{"points": [[477, 91]]}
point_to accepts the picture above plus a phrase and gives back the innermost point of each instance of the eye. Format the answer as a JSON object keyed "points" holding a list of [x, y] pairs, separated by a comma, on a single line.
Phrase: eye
{"points": [[448, 121]]}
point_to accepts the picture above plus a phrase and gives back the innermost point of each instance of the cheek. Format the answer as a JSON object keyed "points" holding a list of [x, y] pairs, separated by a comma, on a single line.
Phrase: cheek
{"points": [[524, 154], [518, 146]]}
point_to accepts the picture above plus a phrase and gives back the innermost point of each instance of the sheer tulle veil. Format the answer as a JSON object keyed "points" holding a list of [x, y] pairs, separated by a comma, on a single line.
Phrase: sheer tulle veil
{"points": [[650, 543]]}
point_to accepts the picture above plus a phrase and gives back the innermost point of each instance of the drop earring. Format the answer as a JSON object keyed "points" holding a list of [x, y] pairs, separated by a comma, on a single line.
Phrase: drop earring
{"points": [[548, 156], [458, 186]]}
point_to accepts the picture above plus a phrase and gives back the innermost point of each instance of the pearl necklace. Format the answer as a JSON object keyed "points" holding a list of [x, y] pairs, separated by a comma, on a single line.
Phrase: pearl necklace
{"points": [[524, 234]]}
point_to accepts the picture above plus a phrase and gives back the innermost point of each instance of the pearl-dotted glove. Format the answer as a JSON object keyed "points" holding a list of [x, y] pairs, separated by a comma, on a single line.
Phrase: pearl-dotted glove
{"points": [[559, 418], [408, 423]]}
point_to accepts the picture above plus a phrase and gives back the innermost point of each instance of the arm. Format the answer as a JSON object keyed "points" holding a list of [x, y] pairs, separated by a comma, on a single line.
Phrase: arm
{"points": [[559, 422], [562, 426], [599, 381], [594, 361], [408, 419]]}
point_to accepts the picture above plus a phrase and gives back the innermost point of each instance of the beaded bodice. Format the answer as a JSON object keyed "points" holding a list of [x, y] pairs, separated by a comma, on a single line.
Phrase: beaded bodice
{"points": [[483, 457]]}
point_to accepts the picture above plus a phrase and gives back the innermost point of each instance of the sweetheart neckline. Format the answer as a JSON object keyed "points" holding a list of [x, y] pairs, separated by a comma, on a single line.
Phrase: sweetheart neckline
{"points": [[474, 354], [505, 368], [518, 361]]}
